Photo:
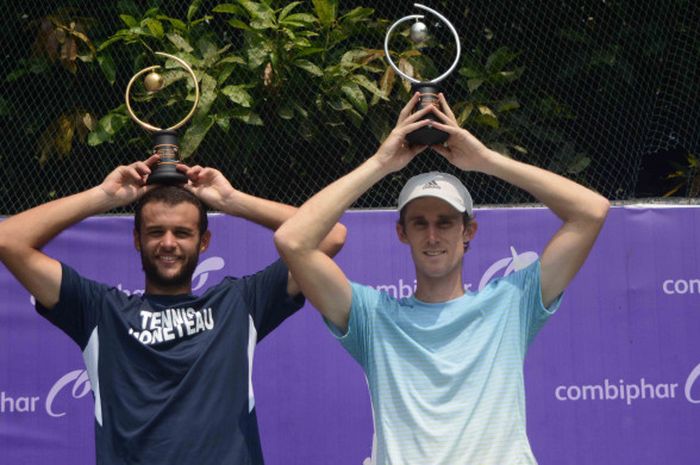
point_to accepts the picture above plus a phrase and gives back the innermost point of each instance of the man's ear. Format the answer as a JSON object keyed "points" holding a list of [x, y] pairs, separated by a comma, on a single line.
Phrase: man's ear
{"points": [[401, 233], [204, 242], [470, 230]]}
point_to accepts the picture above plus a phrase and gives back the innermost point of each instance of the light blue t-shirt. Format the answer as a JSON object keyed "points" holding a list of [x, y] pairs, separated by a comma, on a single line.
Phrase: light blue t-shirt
{"points": [[446, 380]]}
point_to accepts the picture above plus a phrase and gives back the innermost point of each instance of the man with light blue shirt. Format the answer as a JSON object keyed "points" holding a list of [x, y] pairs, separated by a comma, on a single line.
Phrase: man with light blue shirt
{"points": [[444, 367]]}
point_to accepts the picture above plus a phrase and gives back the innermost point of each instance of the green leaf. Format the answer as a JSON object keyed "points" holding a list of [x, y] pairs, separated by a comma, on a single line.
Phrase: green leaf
{"points": [[207, 94], [151, 12], [326, 10], [223, 121], [230, 58], [357, 14], [154, 26], [299, 19], [485, 110], [487, 120], [355, 117], [355, 95], [309, 67], [174, 22], [203, 19], [247, 116], [238, 24], [287, 9], [473, 73], [207, 49], [579, 164], [194, 135], [300, 109], [107, 66], [368, 85], [180, 42], [464, 114], [508, 105], [130, 21], [225, 72], [473, 84], [259, 54], [228, 8], [261, 15], [192, 10], [339, 104], [108, 126], [285, 112], [498, 59], [353, 58], [238, 95]]}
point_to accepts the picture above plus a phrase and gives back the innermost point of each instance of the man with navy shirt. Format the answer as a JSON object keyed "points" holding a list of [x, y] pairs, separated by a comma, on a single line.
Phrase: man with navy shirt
{"points": [[444, 367], [170, 371]]}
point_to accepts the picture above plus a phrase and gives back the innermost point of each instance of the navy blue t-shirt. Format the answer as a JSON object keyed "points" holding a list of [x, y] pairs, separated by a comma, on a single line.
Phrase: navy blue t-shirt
{"points": [[171, 375]]}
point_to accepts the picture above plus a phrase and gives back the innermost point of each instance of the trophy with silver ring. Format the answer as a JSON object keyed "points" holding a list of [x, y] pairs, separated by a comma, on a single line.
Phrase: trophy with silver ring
{"points": [[428, 90], [164, 140]]}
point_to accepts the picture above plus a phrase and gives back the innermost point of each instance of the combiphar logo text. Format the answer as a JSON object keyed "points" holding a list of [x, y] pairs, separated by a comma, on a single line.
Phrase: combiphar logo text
{"points": [[631, 392], [681, 286], [73, 384]]}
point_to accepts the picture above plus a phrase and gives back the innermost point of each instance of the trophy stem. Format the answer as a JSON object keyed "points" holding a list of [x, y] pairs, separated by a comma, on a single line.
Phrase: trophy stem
{"points": [[165, 172], [426, 135]]}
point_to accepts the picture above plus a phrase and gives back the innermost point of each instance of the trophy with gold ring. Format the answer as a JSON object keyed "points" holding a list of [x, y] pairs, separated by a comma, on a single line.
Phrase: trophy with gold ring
{"points": [[164, 140], [427, 135]]}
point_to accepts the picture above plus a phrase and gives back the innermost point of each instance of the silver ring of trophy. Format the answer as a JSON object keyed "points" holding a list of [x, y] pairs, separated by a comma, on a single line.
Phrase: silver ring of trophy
{"points": [[165, 142], [429, 90]]}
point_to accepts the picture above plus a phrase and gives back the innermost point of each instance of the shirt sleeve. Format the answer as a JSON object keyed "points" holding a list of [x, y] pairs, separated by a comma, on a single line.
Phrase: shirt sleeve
{"points": [[78, 307], [265, 293], [357, 339], [532, 310]]}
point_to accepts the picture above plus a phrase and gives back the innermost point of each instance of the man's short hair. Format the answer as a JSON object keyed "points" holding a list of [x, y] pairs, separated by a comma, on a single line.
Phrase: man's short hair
{"points": [[171, 195]]}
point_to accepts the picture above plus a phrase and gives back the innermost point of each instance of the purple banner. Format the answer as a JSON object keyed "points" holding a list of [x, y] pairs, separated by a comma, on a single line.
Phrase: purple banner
{"points": [[613, 378]]}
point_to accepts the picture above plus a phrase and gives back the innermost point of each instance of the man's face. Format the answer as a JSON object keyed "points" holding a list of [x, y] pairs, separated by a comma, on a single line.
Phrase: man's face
{"points": [[436, 233], [170, 243]]}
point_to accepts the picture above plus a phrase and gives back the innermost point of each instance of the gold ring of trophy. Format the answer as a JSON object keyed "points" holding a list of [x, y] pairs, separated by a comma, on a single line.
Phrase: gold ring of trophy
{"points": [[165, 143], [428, 90]]}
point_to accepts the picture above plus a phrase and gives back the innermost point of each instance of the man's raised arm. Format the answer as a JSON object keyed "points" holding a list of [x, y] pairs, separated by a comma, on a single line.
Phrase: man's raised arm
{"points": [[298, 239], [209, 185], [23, 235], [582, 211]]}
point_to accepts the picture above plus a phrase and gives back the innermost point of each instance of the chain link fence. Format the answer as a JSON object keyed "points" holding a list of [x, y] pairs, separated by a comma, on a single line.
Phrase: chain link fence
{"points": [[605, 93]]}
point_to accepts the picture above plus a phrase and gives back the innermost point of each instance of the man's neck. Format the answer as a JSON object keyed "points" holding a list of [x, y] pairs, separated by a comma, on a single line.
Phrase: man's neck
{"points": [[153, 289], [442, 289]]}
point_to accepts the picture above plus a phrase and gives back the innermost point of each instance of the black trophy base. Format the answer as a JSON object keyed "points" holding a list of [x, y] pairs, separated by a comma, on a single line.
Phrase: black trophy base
{"points": [[165, 172], [427, 135]]}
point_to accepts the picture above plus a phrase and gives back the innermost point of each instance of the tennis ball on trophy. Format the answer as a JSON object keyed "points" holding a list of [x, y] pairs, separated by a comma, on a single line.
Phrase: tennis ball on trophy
{"points": [[419, 32], [153, 82]]}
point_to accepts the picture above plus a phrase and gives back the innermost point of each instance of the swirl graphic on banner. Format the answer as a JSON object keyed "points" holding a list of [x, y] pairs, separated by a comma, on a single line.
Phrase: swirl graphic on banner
{"points": [[81, 388]]}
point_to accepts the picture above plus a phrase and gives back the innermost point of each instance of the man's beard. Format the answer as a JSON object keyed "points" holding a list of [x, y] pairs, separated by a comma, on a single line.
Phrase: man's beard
{"points": [[181, 279]]}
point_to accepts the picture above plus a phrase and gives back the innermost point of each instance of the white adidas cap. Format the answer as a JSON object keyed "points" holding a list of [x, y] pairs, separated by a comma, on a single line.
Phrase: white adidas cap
{"points": [[441, 185]]}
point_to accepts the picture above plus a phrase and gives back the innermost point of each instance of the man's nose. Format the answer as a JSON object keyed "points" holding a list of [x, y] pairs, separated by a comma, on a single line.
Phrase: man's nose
{"points": [[168, 239], [432, 233]]}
